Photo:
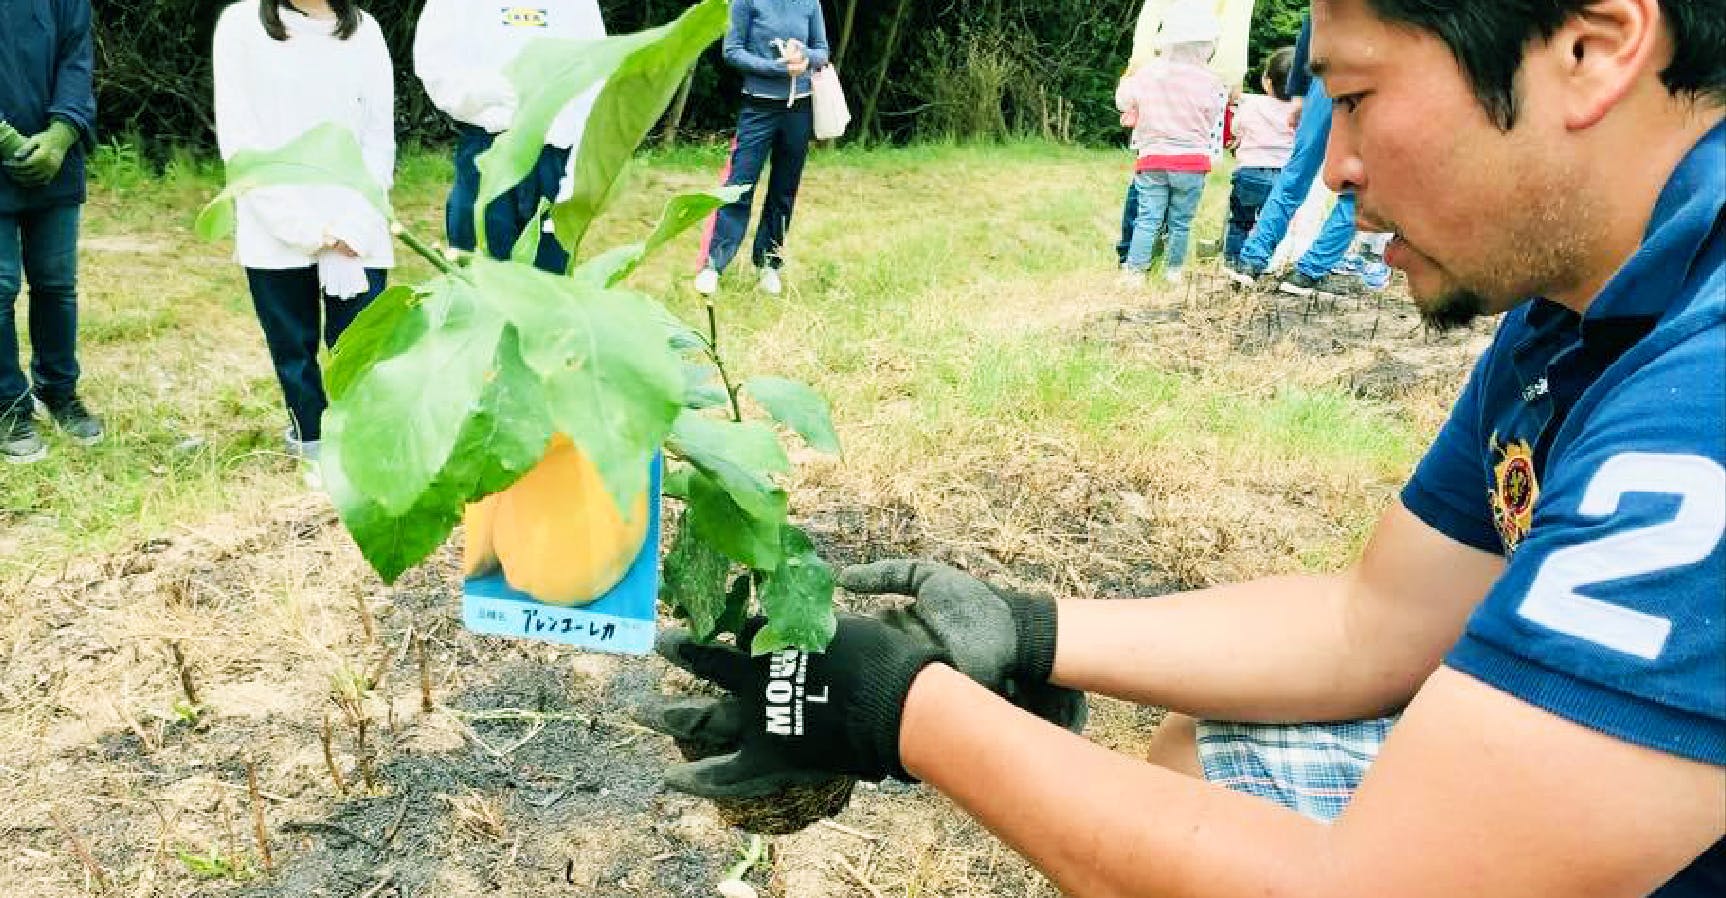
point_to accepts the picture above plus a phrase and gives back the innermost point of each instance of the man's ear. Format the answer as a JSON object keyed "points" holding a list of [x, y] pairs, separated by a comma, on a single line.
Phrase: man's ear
{"points": [[1602, 51]]}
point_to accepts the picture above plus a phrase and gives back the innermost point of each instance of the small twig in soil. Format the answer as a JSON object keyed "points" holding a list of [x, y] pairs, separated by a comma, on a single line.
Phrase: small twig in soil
{"points": [[328, 736], [857, 833], [185, 669], [378, 887], [367, 624], [425, 677], [80, 849], [137, 728], [314, 826], [363, 754], [260, 830], [857, 875], [396, 824]]}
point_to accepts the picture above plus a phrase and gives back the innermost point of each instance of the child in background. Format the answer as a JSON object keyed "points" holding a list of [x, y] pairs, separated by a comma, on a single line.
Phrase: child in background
{"points": [[1262, 138], [1175, 107]]}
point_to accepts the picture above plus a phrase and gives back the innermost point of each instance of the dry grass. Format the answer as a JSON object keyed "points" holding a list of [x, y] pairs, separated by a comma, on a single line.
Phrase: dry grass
{"points": [[1004, 403]]}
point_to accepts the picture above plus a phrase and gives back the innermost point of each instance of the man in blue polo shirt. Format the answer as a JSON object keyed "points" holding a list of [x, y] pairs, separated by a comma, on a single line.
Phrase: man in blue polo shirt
{"points": [[45, 94], [1520, 688]]}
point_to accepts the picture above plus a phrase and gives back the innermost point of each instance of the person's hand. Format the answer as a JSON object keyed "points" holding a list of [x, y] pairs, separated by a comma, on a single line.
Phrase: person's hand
{"points": [[791, 717], [1001, 639], [797, 67], [1295, 107], [341, 246], [39, 160]]}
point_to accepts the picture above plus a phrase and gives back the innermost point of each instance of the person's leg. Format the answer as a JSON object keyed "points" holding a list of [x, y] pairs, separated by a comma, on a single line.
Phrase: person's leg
{"points": [[49, 242], [790, 151], [1250, 188], [14, 387], [1175, 746], [1153, 205], [1185, 190], [756, 126], [1294, 181], [1311, 768], [340, 313], [1129, 218], [1332, 242], [287, 302], [548, 174], [459, 227]]}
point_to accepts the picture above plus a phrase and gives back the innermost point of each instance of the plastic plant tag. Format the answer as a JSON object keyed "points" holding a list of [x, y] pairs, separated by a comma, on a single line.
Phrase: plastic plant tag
{"points": [[621, 621]]}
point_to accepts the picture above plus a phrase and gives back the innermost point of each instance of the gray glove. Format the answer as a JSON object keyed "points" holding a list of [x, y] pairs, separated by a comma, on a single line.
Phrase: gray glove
{"points": [[1001, 639]]}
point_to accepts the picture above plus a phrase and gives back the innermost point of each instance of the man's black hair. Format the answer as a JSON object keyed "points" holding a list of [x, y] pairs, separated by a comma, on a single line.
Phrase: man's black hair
{"points": [[1277, 66], [1488, 37], [270, 13]]}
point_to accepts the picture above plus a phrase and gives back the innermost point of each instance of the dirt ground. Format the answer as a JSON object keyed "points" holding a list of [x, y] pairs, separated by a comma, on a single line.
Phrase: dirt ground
{"points": [[527, 777]]}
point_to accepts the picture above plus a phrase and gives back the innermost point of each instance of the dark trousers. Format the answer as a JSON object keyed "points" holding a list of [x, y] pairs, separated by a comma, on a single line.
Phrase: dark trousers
{"points": [[290, 305], [765, 128], [1129, 218], [39, 246], [512, 212], [1250, 188]]}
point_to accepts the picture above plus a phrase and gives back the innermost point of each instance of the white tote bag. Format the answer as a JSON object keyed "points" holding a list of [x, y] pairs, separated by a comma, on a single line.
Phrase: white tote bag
{"points": [[830, 111]]}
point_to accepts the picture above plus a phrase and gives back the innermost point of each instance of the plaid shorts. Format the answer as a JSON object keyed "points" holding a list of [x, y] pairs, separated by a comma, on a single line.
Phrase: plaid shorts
{"points": [[1312, 768]]}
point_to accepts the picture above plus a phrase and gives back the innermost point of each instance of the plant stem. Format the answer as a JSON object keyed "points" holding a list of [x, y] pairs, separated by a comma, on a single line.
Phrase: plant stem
{"points": [[751, 857], [421, 249], [713, 353]]}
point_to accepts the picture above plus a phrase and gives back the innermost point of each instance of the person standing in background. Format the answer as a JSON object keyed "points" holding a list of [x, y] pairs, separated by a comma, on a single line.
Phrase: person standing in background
{"points": [[46, 96], [1263, 138], [460, 51], [314, 254], [776, 44]]}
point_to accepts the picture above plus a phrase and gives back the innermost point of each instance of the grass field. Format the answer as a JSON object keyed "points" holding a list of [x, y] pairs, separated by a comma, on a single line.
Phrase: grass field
{"points": [[1005, 404]]}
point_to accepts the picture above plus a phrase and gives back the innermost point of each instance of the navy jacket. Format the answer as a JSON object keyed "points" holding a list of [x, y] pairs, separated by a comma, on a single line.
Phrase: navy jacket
{"points": [[45, 60], [755, 24]]}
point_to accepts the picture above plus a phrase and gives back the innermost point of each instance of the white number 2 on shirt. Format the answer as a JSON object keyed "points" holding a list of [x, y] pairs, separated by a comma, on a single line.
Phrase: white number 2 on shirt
{"points": [[1553, 600]]}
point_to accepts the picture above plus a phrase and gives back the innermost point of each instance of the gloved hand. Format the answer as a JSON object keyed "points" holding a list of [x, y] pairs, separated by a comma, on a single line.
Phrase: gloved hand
{"points": [[39, 160], [792, 717], [1001, 639]]}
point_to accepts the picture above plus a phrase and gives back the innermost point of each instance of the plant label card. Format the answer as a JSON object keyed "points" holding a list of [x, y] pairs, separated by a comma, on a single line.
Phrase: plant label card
{"points": [[621, 621]]}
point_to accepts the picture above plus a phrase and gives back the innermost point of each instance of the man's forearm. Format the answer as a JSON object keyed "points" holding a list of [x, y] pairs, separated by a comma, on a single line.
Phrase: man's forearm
{"points": [[1279, 649], [1099, 824]]}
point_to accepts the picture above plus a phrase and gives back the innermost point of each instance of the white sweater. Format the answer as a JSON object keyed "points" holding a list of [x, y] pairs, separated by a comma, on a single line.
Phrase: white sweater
{"points": [[269, 92], [462, 46]]}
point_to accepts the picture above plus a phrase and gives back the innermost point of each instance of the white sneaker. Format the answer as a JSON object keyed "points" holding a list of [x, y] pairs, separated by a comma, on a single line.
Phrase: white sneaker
{"points": [[707, 282], [1172, 275], [1131, 279], [770, 283]]}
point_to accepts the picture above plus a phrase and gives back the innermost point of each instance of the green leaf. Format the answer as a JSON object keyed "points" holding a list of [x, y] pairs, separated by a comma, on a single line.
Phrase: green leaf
{"points": [[675, 483], [507, 433], [797, 598], [611, 382], [610, 267], [680, 213], [798, 407], [327, 154], [700, 389], [751, 539], [736, 604], [384, 329], [391, 543], [634, 97], [694, 584], [526, 248], [401, 418], [750, 444]]}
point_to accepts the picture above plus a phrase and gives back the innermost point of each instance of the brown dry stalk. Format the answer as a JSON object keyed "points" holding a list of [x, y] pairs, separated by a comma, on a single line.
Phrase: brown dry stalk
{"points": [[363, 753], [185, 669], [328, 736], [259, 829], [425, 675], [366, 622], [79, 849]]}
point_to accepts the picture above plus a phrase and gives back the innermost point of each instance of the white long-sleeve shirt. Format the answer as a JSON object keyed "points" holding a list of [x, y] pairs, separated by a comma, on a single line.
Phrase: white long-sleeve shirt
{"points": [[462, 46], [268, 93]]}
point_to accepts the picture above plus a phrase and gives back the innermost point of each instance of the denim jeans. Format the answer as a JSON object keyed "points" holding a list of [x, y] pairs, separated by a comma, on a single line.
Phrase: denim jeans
{"points": [[1250, 187], [290, 305], [1167, 202], [40, 247], [513, 211], [1129, 218], [764, 128], [1291, 189]]}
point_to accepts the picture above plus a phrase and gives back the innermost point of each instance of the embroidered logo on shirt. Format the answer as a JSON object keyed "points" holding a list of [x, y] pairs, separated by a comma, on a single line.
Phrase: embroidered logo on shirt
{"points": [[525, 17], [1534, 390], [1514, 491]]}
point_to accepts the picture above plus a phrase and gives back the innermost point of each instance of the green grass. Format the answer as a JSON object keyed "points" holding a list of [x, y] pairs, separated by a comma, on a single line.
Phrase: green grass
{"points": [[919, 277]]}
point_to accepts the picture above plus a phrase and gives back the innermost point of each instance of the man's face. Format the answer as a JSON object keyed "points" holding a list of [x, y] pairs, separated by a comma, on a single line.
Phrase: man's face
{"points": [[1484, 218]]}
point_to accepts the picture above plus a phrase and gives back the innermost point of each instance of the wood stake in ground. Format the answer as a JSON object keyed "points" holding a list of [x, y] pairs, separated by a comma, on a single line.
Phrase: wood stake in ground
{"points": [[80, 849], [425, 675], [328, 735], [259, 829], [185, 669]]}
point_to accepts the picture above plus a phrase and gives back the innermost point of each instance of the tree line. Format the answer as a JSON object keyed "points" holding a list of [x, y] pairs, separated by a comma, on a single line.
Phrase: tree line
{"points": [[947, 70]]}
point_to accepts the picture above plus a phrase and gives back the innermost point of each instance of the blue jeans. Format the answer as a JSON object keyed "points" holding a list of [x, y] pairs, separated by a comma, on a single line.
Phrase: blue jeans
{"points": [[1129, 218], [1167, 202], [1250, 187], [1291, 190], [290, 304], [513, 211], [40, 246], [764, 128]]}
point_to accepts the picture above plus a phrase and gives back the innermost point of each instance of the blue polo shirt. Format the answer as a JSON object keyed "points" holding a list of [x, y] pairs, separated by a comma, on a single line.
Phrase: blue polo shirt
{"points": [[45, 56], [1591, 452]]}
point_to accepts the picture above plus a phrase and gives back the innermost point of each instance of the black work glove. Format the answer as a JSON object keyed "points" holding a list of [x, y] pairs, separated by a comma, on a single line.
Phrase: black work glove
{"points": [[1001, 639], [792, 717]]}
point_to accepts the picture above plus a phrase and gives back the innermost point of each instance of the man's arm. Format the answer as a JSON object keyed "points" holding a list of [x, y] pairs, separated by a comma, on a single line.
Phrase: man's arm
{"points": [[1476, 793], [1344, 646], [74, 98]]}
